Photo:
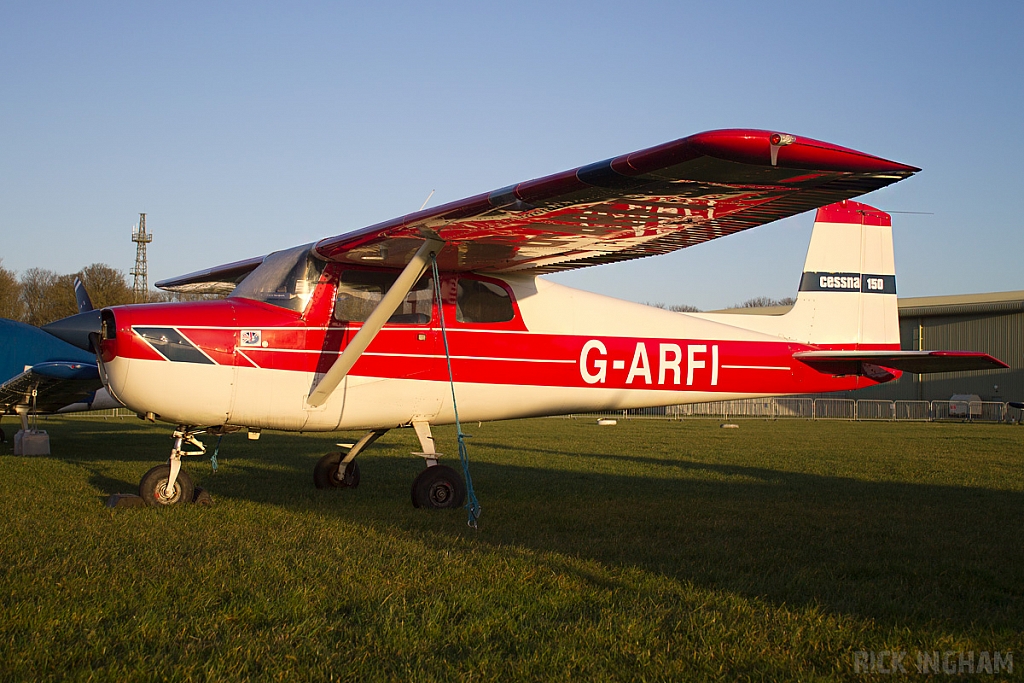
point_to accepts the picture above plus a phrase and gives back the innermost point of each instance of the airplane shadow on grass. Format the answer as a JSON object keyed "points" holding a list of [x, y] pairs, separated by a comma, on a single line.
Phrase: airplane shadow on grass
{"points": [[898, 553]]}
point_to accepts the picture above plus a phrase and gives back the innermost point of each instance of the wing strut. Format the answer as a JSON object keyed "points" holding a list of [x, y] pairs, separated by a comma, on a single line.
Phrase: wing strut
{"points": [[384, 310]]}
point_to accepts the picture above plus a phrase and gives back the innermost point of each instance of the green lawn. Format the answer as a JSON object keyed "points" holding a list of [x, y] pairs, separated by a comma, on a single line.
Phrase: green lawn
{"points": [[645, 551]]}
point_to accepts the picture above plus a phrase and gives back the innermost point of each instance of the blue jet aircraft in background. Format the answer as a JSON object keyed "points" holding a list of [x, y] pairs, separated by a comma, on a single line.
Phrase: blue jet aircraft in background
{"points": [[40, 373]]}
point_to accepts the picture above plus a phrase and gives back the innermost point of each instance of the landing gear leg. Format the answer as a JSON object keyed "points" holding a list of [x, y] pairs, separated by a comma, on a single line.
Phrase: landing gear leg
{"points": [[438, 486], [169, 484], [337, 471]]}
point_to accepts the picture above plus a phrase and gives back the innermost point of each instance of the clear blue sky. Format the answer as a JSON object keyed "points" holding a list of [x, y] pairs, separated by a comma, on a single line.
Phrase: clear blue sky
{"points": [[241, 128]]}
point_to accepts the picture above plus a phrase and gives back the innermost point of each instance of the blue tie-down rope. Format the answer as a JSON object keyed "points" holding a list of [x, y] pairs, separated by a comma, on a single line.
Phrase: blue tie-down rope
{"points": [[472, 504], [216, 450]]}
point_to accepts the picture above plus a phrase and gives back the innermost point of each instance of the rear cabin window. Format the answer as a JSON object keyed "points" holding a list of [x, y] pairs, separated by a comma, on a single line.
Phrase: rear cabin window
{"points": [[359, 292], [482, 302]]}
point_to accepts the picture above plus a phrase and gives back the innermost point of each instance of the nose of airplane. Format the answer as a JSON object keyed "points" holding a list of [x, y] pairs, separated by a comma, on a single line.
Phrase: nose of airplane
{"points": [[75, 329]]}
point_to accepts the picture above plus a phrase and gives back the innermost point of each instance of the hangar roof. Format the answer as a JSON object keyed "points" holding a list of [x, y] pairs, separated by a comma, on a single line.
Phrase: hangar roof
{"points": [[959, 304]]}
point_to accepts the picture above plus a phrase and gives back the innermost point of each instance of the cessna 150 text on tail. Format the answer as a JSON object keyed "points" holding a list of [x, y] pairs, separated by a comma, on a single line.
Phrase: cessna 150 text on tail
{"points": [[346, 333]]}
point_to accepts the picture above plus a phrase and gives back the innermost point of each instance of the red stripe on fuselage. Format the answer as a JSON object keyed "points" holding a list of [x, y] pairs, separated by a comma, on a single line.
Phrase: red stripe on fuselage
{"points": [[522, 358]]}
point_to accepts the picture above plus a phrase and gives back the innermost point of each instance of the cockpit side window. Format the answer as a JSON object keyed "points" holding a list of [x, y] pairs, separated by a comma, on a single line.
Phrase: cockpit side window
{"points": [[482, 302], [285, 278], [359, 292]]}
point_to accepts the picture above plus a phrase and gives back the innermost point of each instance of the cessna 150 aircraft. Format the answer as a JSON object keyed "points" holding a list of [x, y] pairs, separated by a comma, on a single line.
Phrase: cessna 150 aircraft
{"points": [[359, 331]]}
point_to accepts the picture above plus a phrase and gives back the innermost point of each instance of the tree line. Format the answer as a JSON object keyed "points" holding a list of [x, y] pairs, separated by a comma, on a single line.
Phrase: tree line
{"points": [[41, 296]]}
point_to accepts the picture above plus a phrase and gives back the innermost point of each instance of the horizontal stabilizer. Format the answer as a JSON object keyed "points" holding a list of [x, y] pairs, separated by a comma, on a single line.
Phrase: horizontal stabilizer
{"points": [[918, 362]]}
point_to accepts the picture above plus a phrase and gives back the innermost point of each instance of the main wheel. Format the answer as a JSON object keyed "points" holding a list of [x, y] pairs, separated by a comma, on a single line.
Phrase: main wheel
{"points": [[438, 487], [326, 475], [153, 487]]}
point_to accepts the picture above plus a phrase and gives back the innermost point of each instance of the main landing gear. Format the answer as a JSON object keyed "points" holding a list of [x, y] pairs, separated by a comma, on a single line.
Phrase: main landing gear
{"points": [[168, 484], [334, 470], [437, 487]]}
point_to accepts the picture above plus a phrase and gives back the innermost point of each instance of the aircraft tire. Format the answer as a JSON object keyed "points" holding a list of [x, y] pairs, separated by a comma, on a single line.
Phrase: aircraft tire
{"points": [[438, 487], [325, 473], [156, 479]]}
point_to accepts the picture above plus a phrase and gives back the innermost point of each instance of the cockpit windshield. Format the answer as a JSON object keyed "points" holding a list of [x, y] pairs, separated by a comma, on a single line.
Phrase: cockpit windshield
{"points": [[285, 278]]}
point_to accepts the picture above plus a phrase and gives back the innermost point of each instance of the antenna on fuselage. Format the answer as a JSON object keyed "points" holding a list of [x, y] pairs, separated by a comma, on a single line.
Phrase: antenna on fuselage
{"points": [[427, 199]]}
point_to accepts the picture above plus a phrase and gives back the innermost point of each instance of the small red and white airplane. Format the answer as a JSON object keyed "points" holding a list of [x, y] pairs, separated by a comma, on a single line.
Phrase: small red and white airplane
{"points": [[359, 331]]}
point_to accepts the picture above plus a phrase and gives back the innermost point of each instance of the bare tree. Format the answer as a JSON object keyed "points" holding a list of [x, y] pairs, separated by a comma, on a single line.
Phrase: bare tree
{"points": [[43, 296], [678, 308], [47, 296], [106, 286], [10, 295], [765, 302], [757, 302]]}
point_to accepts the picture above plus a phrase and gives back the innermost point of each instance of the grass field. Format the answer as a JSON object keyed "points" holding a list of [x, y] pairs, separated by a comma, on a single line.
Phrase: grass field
{"points": [[645, 551]]}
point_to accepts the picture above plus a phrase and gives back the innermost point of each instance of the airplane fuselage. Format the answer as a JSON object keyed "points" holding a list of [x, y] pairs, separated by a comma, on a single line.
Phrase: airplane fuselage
{"points": [[253, 364]]}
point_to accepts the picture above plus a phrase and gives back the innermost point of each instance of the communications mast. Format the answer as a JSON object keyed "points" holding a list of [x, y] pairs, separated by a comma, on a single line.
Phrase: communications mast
{"points": [[140, 288]]}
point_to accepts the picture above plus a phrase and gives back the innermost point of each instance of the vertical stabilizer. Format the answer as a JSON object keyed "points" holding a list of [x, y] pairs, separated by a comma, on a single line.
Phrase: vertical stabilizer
{"points": [[848, 288]]}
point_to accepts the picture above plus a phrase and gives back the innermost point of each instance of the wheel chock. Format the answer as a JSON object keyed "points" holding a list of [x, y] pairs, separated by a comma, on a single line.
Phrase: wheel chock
{"points": [[125, 500], [130, 500]]}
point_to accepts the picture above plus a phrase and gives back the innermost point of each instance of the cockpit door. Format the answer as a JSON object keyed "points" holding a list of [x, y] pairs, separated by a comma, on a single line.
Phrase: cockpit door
{"points": [[406, 349]]}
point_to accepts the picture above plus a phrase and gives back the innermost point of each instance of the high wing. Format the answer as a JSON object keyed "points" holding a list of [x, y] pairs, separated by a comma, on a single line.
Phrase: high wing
{"points": [[32, 361], [919, 362], [649, 202], [216, 280]]}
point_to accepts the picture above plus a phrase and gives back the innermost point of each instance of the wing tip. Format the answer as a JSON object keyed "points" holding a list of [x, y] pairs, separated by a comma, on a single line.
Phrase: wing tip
{"points": [[754, 146]]}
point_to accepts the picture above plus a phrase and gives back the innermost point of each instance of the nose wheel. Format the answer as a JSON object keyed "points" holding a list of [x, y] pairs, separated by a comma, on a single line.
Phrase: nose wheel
{"points": [[169, 484], [153, 487]]}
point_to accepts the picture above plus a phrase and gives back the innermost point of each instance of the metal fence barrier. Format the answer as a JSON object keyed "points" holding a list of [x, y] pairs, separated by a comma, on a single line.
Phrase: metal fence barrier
{"points": [[783, 407], [874, 409], [913, 410], [794, 407], [835, 409], [826, 409], [119, 413]]}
